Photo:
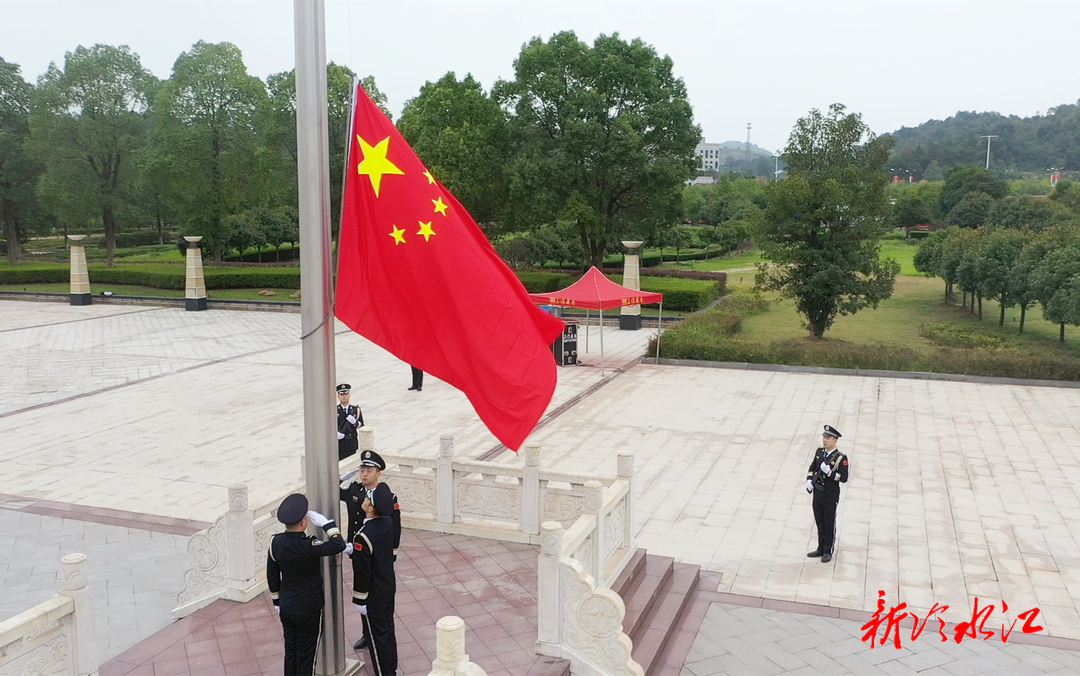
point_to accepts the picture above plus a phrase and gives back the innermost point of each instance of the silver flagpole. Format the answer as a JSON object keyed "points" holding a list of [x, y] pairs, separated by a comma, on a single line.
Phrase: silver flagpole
{"points": [[316, 307]]}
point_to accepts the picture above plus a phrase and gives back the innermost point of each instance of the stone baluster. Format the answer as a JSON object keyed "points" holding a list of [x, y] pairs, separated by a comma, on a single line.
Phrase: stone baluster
{"points": [[450, 657], [625, 472], [630, 315], [594, 504], [76, 587], [445, 499], [80, 274], [549, 607], [367, 438], [531, 509], [239, 534], [195, 295]]}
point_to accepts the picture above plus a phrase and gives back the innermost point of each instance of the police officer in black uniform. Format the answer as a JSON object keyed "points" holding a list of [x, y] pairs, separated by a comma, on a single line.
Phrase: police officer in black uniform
{"points": [[417, 379], [828, 470], [295, 581], [369, 487], [374, 586], [349, 418]]}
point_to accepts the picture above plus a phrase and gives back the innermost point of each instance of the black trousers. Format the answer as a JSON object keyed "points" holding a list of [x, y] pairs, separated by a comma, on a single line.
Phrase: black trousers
{"points": [[301, 640], [347, 447], [379, 627], [825, 516], [417, 378]]}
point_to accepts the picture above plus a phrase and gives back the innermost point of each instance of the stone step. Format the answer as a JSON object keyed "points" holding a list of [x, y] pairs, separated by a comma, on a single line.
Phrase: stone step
{"points": [[629, 574], [660, 623], [643, 591], [679, 643]]}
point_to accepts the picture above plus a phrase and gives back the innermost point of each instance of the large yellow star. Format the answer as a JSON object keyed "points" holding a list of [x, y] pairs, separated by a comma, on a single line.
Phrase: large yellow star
{"points": [[430, 178], [440, 208], [426, 231], [399, 235], [375, 163]]}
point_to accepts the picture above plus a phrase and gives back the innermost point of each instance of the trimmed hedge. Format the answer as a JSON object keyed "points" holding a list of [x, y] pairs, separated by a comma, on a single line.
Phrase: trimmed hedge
{"points": [[680, 295], [543, 281], [125, 240], [29, 274]]}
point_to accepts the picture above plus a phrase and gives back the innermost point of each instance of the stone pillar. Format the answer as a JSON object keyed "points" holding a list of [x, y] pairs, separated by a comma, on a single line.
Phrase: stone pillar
{"points": [[239, 536], [84, 647], [531, 509], [626, 473], [195, 296], [450, 657], [549, 606], [630, 315], [445, 499], [594, 504], [367, 438], [80, 275]]}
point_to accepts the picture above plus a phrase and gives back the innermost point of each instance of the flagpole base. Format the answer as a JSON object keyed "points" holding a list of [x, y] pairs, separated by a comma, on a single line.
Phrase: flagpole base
{"points": [[629, 322], [81, 299], [194, 304]]}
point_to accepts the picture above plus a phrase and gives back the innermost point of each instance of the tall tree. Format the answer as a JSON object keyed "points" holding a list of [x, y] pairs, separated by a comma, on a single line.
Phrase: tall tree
{"points": [[461, 135], [88, 121], [966, 178], [822, 225], [18, 169], [206, 137], [604, 138]]}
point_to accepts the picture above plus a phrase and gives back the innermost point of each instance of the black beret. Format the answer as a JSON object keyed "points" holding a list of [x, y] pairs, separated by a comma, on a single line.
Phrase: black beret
{"points": [[344, 388], [832, 431], [293, 509], [384, 500], [372, 459]]}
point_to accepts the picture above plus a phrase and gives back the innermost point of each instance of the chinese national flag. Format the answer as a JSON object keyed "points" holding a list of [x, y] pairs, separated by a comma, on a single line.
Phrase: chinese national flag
{"points": [[417, 277]]}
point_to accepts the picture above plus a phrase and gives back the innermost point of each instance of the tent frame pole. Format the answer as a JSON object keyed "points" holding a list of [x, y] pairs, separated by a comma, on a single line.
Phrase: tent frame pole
{"points": [[659, 330]]}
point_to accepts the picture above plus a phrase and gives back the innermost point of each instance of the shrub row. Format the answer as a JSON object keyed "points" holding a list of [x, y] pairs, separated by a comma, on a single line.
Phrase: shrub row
{"points": [[26, 274], [136, 238], [680, 295], [545, 281]]}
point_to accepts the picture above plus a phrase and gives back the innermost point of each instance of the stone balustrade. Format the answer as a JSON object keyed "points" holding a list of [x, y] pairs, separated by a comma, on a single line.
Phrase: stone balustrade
{"points": [[450, 657]]}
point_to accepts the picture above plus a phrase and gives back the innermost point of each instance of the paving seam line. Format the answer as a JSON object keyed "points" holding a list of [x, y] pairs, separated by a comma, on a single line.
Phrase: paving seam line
{"points": [[102, 515]]}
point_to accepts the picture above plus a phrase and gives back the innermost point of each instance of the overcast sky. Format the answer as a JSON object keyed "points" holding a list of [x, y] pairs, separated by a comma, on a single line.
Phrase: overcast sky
{"points": [[767, 63]]}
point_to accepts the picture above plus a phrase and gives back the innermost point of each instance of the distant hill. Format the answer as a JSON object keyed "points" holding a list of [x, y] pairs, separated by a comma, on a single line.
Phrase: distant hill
{"points": [[740, 147], [1023, 143]]}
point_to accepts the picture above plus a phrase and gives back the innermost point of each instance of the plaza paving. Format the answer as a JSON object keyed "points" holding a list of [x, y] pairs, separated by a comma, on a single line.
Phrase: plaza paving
{"points": [[957, 489]]}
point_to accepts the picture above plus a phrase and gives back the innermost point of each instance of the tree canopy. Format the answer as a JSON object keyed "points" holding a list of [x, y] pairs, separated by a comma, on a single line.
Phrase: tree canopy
{"points": [[821, 228]]}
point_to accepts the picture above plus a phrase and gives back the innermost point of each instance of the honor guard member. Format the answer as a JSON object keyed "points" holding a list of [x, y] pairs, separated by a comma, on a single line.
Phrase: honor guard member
{"points": [[828, 470], [417, 379], [369, 486], [349, 418], [374, 586], [296, 584]]}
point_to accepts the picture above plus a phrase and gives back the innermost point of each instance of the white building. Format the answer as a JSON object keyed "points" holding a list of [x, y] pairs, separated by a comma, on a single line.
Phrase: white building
{"points": [[708, 156]]}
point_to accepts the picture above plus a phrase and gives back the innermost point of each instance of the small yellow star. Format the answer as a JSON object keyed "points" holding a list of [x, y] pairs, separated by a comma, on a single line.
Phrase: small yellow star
{"points": [[440, 208], [399, 235], [375, 163], [426, 231], [430, 178]]}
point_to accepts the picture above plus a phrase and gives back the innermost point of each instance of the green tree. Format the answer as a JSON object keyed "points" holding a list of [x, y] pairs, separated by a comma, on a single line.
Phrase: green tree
{"points": [[961, 180], [933, 172], [206, 139], [1025, 211], [461, 134], [998, 256], [972, 210], [88, 122], [822, 225], [19, 171], [1023, 282], [1057, 281], [911, 209], [604, 138], [1067, 194]]}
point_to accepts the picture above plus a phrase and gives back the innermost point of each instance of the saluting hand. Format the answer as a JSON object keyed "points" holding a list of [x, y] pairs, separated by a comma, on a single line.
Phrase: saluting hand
{"points": [[317, 519]]}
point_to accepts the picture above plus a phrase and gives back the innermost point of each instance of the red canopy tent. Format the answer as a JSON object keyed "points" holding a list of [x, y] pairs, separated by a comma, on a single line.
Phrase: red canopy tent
{"points": [[594, 291]]}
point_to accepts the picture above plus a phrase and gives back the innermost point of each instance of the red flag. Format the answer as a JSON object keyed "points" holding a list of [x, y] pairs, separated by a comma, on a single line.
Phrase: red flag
{"points": [[417, 277]]}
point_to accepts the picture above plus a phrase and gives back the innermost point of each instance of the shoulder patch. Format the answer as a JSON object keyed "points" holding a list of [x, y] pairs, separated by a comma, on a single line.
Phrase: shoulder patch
{"points": [[315, 542]]}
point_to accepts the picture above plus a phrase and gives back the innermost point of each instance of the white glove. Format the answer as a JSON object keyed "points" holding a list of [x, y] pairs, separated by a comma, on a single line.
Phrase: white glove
{"points": [[317, 519], [363, 609], [825, 468], [809, 486], [348, 549], [351, 419], [350, 474], [340, 436]]}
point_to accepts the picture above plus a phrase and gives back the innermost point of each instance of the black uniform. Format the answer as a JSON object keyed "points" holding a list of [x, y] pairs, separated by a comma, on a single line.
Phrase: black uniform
{"points": [[827, 494], [348, 444], [417, 379], [296, 586], [353, 497], [374, 586]]}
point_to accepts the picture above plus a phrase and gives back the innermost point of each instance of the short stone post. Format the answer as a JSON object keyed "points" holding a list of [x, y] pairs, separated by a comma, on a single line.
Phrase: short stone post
{"points": [[531, 509], [625, 472], [445, 499], [80, 275], [367, 438], [594, 504], [239, 536], [450, 657], [84, 648], [549, 606], [195, 296], [630, 315]]}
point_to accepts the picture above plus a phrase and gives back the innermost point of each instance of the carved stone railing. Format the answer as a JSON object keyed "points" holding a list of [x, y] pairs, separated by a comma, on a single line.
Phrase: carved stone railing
{"points": [[580, 617], [57, 636], [450, 657]]}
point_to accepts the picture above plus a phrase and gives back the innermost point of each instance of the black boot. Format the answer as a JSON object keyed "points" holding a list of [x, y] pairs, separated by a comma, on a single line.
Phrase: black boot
{"points": [[826, 557], [361, 644], [814, 554]]}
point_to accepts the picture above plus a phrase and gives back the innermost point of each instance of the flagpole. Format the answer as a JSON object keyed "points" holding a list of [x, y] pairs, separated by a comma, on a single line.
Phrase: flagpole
{"points": [[316, 308]]}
